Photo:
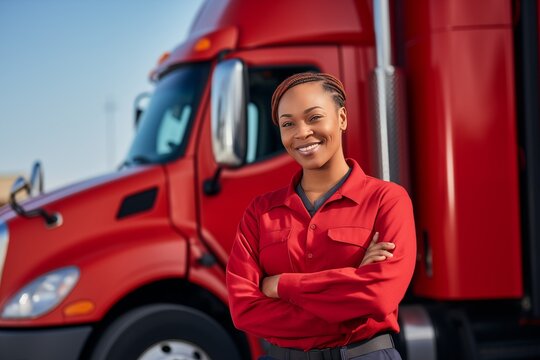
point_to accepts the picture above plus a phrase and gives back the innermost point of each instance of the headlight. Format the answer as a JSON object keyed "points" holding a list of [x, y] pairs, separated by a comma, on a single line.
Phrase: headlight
{"points": [[42, 294]]}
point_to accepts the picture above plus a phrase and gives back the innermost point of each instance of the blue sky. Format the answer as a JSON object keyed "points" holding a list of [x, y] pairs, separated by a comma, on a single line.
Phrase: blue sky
{"points": [[61, 63]]}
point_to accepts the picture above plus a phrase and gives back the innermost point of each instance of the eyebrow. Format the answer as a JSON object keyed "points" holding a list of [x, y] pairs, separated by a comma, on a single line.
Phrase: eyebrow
{"points": [[305, 111]]}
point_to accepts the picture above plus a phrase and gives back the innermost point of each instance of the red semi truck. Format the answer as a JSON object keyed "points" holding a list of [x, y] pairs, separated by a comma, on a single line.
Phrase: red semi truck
{"points": [[130, 265]]}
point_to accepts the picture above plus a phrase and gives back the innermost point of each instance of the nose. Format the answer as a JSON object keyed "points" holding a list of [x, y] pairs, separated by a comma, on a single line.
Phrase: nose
{"points": [[303, 131]]}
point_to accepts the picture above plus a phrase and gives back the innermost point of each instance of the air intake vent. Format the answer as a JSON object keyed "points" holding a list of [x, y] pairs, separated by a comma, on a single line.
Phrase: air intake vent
{"points": [[137, 203]]}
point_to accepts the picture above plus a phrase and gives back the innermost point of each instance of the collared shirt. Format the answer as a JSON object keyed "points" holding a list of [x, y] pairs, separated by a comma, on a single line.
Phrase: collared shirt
{"points": [[326, 298], [312, 208]]}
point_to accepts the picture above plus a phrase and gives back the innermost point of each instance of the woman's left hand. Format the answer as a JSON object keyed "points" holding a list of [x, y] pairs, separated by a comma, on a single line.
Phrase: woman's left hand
{"points": [[270, 286]]}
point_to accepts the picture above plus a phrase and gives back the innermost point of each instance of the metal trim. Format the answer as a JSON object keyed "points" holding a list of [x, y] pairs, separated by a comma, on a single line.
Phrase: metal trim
{"points": [[418, 332], [388, 96], [383, 47]]}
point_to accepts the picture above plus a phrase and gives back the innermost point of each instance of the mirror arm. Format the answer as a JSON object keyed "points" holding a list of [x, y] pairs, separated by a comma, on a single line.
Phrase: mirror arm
{"points": [[138, 110], [50, 219], [13, 202], [221, 55], [211, 186], [36, 178]]}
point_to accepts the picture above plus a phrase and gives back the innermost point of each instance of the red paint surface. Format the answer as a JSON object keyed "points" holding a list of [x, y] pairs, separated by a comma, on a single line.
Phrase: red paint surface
{"points": [[462, 111]]}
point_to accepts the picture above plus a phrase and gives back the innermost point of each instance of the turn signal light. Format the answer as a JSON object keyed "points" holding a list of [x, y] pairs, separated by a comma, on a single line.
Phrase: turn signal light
{"points": [[82, 307]]}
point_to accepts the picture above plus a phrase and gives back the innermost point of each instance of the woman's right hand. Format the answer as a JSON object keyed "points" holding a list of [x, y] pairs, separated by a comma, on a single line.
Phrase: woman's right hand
{"points": [[377, 251]]}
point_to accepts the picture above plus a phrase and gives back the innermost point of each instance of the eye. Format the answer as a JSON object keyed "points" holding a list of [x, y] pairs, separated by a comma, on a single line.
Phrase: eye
{"points": [[286, 124], [315, 117]]}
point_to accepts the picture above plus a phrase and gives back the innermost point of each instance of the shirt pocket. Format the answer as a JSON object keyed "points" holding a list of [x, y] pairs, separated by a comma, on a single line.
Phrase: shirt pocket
{"points": [[348, 244], [274, 252], [274, 237]]}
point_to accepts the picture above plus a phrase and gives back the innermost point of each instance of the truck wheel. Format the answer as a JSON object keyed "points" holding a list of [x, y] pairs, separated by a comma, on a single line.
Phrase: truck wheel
{"points": [[164, 331]]}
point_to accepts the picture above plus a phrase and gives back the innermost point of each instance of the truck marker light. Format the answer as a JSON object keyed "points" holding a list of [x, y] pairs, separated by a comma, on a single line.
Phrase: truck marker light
{"points": [[81, 307], [203, 44], [42, 294]]}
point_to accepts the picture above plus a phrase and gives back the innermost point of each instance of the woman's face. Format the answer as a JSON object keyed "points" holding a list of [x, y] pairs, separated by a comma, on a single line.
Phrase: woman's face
{"points": [[310, 124]]}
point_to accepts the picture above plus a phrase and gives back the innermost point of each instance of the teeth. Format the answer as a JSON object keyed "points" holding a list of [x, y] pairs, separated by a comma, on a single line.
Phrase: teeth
{"points": [[308, 148]]}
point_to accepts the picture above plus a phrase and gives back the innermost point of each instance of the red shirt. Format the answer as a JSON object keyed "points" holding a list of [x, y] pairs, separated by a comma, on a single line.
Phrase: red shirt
{"points": [[326, 298]]}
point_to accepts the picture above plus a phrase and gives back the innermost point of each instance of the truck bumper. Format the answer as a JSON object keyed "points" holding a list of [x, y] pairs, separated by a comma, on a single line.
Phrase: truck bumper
{"points": [[43, 344]]}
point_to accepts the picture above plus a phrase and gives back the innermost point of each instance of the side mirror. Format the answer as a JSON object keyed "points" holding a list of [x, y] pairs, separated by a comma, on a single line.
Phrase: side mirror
{"points": [[140, 103], [228, 103]]}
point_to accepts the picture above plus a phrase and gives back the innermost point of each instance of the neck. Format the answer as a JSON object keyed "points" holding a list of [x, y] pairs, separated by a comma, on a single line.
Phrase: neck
{"points": [[321, 179]]}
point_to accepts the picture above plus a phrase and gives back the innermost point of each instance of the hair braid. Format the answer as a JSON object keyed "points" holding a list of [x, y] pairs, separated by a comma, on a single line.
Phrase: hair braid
{"points": [[329, 84]]}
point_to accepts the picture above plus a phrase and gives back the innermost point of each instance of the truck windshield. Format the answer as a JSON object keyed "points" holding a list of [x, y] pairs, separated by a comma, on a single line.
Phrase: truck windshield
{"points": [[164, 125]]}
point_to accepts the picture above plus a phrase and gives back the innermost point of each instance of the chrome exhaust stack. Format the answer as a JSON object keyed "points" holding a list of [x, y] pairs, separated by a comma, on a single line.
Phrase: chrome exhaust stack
{"points": [[388, 104]]}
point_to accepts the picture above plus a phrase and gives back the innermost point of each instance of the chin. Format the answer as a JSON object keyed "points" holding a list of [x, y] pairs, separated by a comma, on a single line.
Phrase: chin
{"points": [[311, 164]]}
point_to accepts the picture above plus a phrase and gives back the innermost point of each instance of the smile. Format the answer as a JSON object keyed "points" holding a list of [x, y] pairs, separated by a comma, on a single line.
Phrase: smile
{"points": [[308, 149]]}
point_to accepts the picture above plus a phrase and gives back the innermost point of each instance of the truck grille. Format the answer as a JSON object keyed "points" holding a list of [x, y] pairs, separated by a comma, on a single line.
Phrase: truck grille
{"points": [[4, 239]]}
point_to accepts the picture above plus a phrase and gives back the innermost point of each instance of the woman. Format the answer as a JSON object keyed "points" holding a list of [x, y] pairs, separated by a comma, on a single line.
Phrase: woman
{"points": [[307, 271]]}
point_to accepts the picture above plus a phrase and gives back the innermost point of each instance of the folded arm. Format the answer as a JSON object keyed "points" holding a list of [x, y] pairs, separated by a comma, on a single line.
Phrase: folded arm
{"points": [[374, 289], [251, 310]]}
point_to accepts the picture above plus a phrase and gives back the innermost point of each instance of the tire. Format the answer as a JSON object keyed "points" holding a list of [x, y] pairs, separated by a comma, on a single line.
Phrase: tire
{"points": [[164, 331]]}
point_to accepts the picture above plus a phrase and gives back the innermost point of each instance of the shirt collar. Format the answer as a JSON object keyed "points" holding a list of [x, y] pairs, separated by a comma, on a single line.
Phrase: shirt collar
{"points": [[351, 189], [353, 186]]}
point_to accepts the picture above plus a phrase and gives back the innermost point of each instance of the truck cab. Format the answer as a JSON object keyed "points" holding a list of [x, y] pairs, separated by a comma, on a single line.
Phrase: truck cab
{"points": [[131, 264]]}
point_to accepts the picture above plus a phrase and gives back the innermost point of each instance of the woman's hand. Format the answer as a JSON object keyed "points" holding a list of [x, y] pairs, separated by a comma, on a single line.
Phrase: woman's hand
{"points": [[270, 286], [377, 251]]}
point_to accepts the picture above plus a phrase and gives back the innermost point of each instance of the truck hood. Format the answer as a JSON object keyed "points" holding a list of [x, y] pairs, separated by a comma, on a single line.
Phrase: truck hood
{"points": [[50, 199], [96, 214]]}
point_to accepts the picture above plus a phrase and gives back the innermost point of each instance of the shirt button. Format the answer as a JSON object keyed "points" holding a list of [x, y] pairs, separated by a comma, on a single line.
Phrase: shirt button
{"points": [[310, 255], [312, 226]]}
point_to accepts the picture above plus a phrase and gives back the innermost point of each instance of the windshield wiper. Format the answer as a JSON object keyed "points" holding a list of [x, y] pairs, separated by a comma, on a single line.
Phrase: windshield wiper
{"points": [[138, 159]]}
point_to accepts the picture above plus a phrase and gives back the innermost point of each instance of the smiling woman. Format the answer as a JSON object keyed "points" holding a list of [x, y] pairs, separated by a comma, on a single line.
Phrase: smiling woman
{"points": [[311, 118], [307, 271]]}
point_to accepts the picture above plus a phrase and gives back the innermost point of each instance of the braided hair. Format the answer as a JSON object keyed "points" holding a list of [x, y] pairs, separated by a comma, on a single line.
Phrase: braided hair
{"points": [[329, 84]]}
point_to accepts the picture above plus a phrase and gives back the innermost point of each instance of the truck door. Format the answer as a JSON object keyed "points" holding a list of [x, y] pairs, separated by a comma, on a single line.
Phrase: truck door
{"points": [[268, 166]]}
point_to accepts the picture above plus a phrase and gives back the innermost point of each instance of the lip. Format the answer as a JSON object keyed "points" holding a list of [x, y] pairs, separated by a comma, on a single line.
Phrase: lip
{"points": [[309, 148]]}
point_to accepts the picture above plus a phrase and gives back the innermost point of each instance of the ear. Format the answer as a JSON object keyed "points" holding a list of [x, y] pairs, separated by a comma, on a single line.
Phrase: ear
{"points": [[342, 116]]}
